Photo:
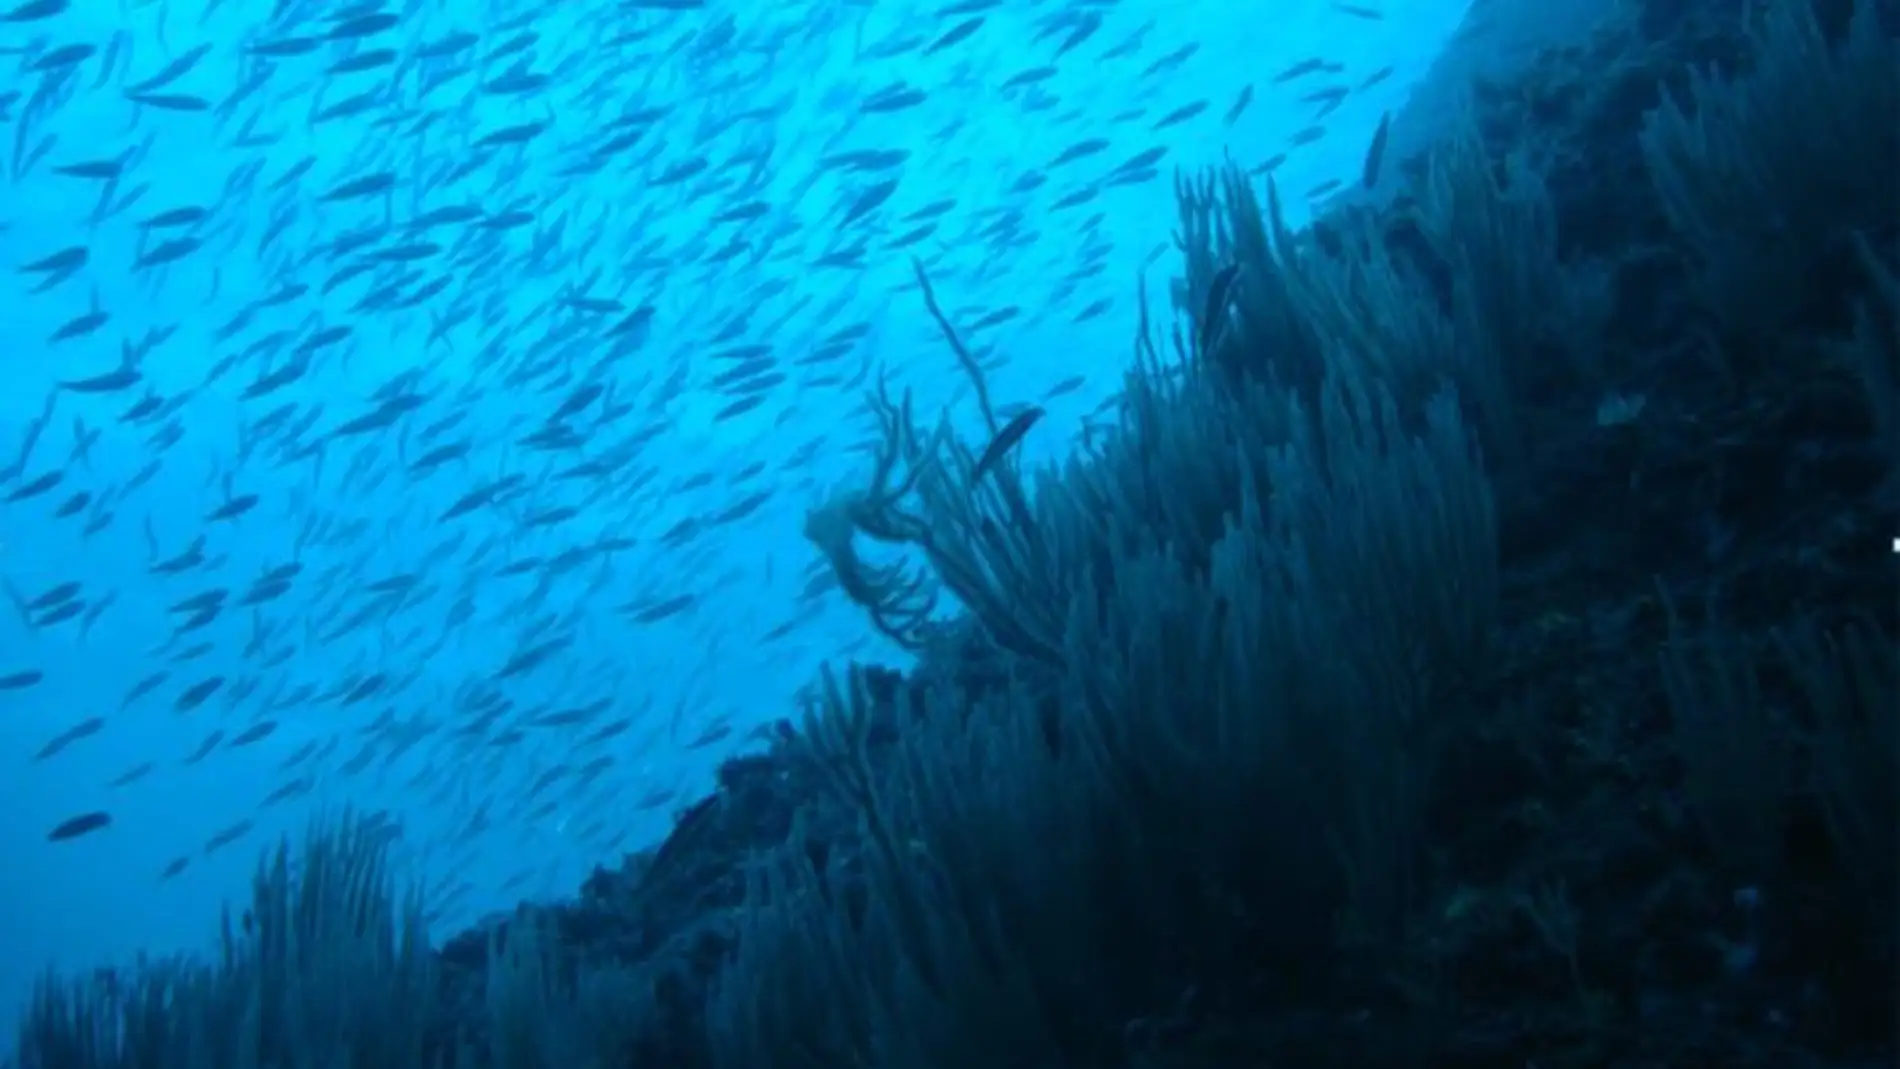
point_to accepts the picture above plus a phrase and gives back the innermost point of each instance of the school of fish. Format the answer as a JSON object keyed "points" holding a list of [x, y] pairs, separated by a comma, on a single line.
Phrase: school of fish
{"points": [[417, 399]]}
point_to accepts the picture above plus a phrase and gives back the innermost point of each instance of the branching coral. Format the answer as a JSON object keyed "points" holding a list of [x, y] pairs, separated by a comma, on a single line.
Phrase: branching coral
{"points": [[329, 967], [981, 538], [1874, 350], [548, 1008], [1515, 309], [899, 601], [1234, 620], [1766, 176]]}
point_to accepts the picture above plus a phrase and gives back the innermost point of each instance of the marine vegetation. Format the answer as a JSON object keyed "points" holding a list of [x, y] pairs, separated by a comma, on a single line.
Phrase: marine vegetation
{"points": [[1471, 643]]}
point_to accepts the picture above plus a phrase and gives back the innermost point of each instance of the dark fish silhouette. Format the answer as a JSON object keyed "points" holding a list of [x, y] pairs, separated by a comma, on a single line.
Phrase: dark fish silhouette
{"points": [[83, 824], [1005, 439]]}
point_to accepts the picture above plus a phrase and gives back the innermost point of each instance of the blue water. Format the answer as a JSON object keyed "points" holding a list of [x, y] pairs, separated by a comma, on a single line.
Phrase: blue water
{"points": [[775, 87]]}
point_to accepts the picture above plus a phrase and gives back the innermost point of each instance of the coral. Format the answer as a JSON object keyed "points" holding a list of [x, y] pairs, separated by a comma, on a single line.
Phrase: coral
{"points": [[547, 1007], [1874, 349], [328, 967], [1233, 737], [1767, 177]]}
